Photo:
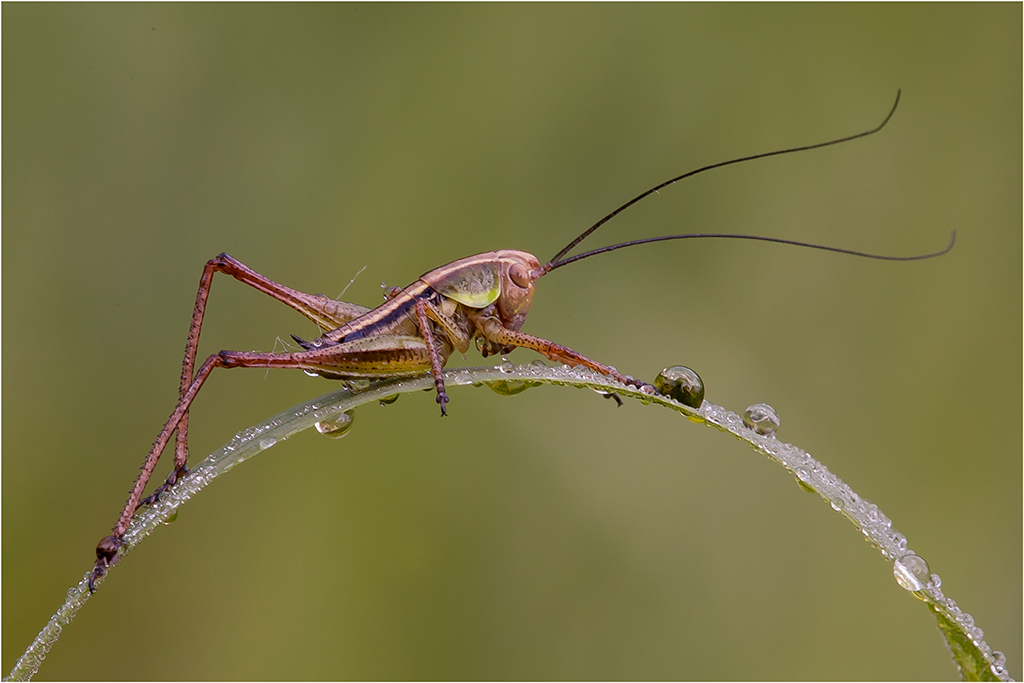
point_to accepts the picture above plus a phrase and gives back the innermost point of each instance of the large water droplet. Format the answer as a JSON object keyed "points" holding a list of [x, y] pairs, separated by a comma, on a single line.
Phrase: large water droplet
{"points": [[336, 426], [171, 518], [509, 387], [388, 400], [310, 373], [267, 443], [911, 572], [762, 418], [682, 384]]}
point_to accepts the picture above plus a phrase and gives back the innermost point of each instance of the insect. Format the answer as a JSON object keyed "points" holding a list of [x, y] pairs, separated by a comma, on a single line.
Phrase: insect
{"points": [[482, 299]]}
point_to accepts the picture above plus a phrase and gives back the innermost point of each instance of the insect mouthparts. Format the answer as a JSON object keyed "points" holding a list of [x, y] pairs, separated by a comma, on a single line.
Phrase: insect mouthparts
{"points": [[302, 342]]}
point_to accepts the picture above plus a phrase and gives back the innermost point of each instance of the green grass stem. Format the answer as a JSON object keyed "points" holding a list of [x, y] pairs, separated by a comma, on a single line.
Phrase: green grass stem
{"points": [[975, 659]]}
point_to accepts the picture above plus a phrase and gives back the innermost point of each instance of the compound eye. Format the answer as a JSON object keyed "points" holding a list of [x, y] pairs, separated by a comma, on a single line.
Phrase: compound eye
{"points": [[519, 275]]}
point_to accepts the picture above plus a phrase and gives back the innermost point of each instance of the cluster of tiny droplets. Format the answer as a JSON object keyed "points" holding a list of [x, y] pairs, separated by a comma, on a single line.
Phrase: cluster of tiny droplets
{"points": [[995, 659], [865, 515], [28, 664]]}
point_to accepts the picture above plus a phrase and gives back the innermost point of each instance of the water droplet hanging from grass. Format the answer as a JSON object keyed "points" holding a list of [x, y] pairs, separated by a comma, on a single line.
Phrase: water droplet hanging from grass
{"points": [[337, 426]]}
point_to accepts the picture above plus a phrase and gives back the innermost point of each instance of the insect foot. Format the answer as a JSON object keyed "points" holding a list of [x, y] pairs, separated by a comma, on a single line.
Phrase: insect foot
{"points": [[612, 395], [171, 480], [106, 555], [442, 399]]}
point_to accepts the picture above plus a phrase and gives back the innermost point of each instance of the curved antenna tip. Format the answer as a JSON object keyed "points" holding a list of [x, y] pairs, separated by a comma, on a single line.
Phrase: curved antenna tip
{"points": [[559, 258], [899, 93]]}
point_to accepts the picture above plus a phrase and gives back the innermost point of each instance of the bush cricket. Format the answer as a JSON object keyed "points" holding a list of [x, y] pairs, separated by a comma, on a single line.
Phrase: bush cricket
{"points": [[483, 299]]}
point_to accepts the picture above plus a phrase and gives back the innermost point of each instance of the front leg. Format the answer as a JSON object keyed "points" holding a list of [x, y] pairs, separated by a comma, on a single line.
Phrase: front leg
{"points": [[436, 366], [494, 331]]}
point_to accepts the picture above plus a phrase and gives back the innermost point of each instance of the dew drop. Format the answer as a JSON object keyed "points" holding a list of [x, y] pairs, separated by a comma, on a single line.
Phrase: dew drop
{"points": [[388, 400], [935, 581], [762, 418], [310, 373], [171, 518], [357, 385], [512, 387], [318, 342], [806, 486], [911, 572], [337, 426], [803, 479], [682, 384], [506, 366], [267, 443], [539, 364]]}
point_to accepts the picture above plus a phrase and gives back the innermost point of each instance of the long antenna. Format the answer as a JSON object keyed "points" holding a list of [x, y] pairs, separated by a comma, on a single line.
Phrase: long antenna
{"points": [[557, 261], [564, 262]]}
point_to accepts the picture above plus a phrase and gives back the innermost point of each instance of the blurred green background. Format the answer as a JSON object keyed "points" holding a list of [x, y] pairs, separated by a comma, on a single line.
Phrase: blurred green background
{"points": [[548, 535]]}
